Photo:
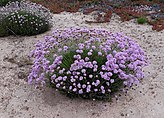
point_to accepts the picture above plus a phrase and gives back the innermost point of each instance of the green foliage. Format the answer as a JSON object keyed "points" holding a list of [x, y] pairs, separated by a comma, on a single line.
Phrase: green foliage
{"points": [[22, 23], [3, 30], [141, 20], [4, 2], [68, 59]]}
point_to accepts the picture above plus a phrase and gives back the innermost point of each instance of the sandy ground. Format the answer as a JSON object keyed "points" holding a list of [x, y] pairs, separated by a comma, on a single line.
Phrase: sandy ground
{"points": [[19, 100]]}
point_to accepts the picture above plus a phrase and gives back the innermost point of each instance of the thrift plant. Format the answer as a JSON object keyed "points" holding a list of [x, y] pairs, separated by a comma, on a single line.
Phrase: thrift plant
{"points": [[92, 64], [25, 18]]}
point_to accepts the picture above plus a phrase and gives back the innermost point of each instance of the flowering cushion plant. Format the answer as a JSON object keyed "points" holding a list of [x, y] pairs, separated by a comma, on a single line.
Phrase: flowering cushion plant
{"points": [[87, 63], [25, 18]]}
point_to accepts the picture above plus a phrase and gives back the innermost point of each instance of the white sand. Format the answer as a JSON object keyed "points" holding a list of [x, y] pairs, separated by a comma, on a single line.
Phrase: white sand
{"points": [[19, 100]]}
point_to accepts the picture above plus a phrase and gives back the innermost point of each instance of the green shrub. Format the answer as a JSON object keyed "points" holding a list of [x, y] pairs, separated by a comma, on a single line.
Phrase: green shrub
{"points": [[25, 18], [22, 23], [141, 20], [3, 31]]}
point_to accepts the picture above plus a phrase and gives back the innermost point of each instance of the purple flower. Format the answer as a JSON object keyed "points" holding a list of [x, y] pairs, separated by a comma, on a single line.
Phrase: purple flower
{"points": [[95, 69], [68, 72], [79, 85], [84, 86], [60, 49], [56, 80], [83, 70], [102, 87], [112, 81], [86, 59], [103, 67], [107, 83], [80, 91], [89, 53], [75, 89], [64, 78], [65, 48], [88, 89], [95, 90], [99, 53], [97, 82], [94, 62], [90, 76], [93, 47], [79, 51], [80, 78], [72, 80], [103, 91], [81, 46], [109, 74], [53, 77], [76, 77], [61, 71], [109, 57], [70, 88], [57, 85], [74, 84]]}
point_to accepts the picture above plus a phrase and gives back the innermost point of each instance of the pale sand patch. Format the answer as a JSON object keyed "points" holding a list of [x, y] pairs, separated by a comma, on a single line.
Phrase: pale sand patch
{"points": [[19, 100]]}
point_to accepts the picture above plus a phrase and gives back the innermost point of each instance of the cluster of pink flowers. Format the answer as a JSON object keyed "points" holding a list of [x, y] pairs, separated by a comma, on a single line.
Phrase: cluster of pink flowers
{"points": [[83, 61]]}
